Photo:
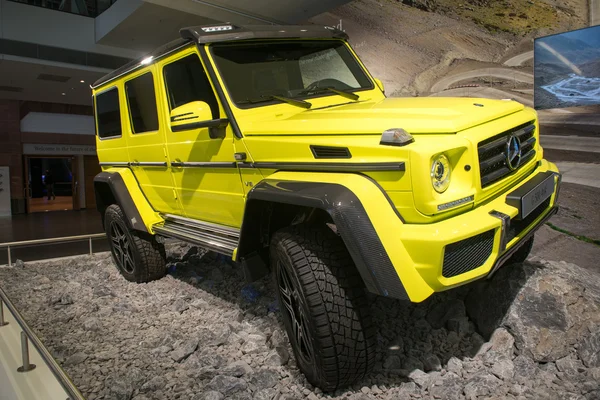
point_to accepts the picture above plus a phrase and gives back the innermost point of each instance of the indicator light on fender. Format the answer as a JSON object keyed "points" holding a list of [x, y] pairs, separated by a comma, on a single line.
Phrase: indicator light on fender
{"points": [[396, 137]]}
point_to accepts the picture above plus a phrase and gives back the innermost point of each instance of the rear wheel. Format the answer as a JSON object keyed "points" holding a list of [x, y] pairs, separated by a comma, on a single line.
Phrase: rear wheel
{"points": [[323, 305], [521, 255], [138, 259]]}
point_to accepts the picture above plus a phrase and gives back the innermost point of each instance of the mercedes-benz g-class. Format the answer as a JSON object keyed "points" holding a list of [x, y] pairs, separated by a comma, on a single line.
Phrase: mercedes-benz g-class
{"points": [[275, 146]]}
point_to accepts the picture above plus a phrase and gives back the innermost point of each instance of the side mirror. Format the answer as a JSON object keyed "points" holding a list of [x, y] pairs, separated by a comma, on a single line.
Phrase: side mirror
{"points": [[380, 85], [197, 115], [188, 115]]}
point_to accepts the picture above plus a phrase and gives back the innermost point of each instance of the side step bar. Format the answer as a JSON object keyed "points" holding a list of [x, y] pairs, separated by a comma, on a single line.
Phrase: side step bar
{"points": [[218, 238]]}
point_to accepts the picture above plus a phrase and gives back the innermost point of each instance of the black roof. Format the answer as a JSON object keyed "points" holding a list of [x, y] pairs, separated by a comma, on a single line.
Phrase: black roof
{"points": [[213, 33], [224, 33]]}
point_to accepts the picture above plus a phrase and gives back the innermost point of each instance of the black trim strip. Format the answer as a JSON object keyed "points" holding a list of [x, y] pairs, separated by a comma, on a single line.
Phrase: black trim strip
{"points": [[209, 164], [385, 194], [327, 167], [115, 164], [180, 118], [211, 123], [213, 77], [181, 115], [147, 164]]}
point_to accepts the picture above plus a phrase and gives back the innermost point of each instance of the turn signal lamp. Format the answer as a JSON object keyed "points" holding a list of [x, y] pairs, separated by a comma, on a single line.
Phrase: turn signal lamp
{"points": [[396, 137]]}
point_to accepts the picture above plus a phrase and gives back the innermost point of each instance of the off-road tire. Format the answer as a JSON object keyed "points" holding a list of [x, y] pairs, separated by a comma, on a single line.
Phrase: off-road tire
{"points": [[522, 253], [145, 260], [330, 295]]}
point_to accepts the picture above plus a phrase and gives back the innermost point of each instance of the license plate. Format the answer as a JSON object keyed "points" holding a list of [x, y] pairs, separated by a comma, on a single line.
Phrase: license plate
{"points": [[536, 196]]}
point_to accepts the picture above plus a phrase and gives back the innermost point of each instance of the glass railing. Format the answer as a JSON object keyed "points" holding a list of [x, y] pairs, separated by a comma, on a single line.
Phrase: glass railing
{"points": [[88, 8]]}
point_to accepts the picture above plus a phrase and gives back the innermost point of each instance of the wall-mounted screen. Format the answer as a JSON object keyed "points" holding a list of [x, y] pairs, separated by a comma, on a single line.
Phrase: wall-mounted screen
{"points": [[567, 69]]}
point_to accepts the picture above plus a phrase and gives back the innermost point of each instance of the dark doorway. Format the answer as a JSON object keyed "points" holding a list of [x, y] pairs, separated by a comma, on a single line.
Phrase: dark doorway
{"points": [[49, 183]]}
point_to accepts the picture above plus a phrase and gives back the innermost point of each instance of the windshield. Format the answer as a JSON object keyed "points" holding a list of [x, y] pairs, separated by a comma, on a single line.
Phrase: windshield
{"points": [[255, 72]]}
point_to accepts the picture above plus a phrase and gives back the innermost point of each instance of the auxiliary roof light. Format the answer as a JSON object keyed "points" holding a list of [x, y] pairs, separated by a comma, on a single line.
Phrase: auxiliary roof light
{"points": [[217, 28]]}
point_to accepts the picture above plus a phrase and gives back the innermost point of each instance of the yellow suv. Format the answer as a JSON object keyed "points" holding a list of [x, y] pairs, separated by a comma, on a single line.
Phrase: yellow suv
{"points": [[275, 146]]}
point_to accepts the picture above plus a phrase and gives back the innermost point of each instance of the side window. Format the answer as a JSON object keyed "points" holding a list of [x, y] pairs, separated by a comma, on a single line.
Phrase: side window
{"points": [[108, 114], [186, 81], [142, 103]]}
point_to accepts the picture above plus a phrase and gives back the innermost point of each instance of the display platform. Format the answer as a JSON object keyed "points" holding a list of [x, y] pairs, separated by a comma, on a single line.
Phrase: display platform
{"points": [[202, 333]]}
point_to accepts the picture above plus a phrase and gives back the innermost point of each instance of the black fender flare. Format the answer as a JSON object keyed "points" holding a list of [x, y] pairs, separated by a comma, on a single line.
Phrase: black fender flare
{"points": [[351, 220], [118, 194]]}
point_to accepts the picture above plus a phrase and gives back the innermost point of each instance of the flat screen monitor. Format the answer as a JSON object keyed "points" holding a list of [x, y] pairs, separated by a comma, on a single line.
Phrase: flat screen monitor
{"points": [[567, 69]]}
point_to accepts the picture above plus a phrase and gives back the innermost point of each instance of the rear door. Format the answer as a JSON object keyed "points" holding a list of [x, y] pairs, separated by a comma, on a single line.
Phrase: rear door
{"points": [[147, 152], [205, 174]]}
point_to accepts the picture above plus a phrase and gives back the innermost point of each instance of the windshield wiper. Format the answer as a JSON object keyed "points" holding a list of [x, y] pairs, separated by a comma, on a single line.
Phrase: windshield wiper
{"points": [[348, 95], [294, 102]]}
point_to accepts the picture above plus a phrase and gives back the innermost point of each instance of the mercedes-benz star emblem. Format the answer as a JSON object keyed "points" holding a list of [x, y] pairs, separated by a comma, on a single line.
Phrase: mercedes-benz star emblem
{"points": [[513, 152]]}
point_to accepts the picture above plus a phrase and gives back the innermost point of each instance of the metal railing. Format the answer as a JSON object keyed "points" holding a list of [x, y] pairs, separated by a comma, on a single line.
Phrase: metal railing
{"points": [[65, 239], [28, 336]]}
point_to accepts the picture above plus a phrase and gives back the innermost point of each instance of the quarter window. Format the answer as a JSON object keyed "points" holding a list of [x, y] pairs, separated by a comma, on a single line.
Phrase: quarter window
{"points": [[108, 114], [142, 103], [186, 81]]}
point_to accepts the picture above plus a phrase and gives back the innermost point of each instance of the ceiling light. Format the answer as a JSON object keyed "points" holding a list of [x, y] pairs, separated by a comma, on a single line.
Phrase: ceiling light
{"points": [[82, 81], [63, 93]]}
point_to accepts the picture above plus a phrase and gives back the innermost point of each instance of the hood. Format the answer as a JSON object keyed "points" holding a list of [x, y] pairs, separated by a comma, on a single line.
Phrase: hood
{"points": [[418, 115]]}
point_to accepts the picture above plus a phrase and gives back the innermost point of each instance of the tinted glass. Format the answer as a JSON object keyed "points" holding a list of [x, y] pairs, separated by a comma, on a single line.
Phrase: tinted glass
{"points": [[186, 81], [108, 114], [254, 72], [142, 103]]}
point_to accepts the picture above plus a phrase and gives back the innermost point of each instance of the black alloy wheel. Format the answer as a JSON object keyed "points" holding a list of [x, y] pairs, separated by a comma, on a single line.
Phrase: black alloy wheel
{"points": [[137, 255], [293, 307]]}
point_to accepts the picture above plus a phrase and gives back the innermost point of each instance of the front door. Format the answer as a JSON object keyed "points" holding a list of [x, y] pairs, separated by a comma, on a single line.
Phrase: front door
{"points": [[204, 171]]}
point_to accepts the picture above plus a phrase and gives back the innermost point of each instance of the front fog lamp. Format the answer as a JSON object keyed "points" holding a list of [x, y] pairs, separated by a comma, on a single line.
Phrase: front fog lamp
{"points": [[440, 173]]}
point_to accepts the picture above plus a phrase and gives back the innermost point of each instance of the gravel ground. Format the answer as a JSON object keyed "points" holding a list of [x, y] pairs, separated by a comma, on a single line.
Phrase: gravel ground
{"points": [[202, 333]]}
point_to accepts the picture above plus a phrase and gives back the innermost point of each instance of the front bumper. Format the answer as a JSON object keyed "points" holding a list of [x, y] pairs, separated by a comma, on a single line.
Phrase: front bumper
{"points": [[478, 242]]}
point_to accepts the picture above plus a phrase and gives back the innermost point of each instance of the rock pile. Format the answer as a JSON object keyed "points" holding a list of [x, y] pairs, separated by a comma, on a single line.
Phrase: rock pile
{"points": [[532, 332]]}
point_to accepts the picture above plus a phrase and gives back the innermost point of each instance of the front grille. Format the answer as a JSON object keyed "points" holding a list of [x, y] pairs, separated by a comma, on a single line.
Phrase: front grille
{"points": [[468, 254], [518, 226], [492, 153]]}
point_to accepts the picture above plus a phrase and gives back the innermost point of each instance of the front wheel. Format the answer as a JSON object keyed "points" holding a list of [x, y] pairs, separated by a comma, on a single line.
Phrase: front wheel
{"points": [[323, 305], [137, 258]]}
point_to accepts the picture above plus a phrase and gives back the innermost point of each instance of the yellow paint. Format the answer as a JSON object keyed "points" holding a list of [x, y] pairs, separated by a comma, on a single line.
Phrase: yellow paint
{"points": [[284, 133]]}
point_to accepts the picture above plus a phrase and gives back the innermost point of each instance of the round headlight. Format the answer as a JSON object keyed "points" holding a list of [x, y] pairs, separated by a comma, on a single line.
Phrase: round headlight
{"points": [[440, 173]]}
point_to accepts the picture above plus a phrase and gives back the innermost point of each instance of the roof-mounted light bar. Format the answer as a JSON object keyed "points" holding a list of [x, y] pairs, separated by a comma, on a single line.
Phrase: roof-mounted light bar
{"points": [[217, 28]]}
